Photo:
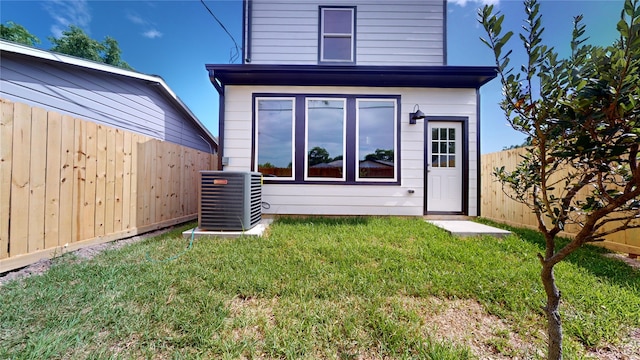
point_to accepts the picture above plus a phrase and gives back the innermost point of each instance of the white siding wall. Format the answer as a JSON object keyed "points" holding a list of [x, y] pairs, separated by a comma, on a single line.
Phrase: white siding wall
{"points": [[402, 32], [355, 199]]}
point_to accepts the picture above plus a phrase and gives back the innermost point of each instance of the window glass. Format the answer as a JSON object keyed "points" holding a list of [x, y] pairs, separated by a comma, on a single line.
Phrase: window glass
{"points": [[443, 151], [275, 138], [325, 138], [376, 134], [337, 48], [337, 34], [337, 21]]}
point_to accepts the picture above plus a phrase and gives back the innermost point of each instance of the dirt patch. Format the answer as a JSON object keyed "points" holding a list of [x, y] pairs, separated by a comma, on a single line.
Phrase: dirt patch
{"points": [[85, 253], [465, 322], [258, 310], [628, 349]]}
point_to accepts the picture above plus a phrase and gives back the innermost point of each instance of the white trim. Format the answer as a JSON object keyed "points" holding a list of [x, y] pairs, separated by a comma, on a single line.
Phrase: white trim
{"points": [[93, 65], [306, 139], [395, 141], [293, 135]]}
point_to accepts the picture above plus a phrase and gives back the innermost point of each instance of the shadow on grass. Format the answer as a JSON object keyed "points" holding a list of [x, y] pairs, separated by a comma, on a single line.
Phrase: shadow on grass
{"points": [[326, 220], [589, 257]]}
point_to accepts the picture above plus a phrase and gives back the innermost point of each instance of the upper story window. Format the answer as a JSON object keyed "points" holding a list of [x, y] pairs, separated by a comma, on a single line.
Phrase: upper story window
{"points": [[337, 35]]}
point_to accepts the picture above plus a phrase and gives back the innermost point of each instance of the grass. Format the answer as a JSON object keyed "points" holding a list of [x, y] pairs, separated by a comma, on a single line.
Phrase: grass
{"points": [[315, 288]]}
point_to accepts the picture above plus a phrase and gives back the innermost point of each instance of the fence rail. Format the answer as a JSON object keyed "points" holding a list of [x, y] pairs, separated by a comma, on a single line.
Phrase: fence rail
{"points": [[497, 206], [66, 183]]}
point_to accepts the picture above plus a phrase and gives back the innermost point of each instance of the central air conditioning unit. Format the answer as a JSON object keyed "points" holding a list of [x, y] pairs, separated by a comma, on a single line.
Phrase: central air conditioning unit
{"points": [[229, 200]]}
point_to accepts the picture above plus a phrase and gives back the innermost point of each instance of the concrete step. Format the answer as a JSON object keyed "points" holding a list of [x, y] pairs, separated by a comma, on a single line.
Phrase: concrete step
{"points": [[464, 228]]}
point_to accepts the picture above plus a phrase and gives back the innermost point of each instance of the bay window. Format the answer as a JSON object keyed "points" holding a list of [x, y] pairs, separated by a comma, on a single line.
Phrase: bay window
{"points": [[342, 139]]}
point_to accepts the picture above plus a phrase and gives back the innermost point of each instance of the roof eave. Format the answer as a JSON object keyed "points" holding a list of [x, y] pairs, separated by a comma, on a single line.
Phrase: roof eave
{"points": [[378, 76]]}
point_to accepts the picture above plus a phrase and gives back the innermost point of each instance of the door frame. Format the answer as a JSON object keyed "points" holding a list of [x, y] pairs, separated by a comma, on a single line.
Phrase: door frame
{"points": [[464, 121]]}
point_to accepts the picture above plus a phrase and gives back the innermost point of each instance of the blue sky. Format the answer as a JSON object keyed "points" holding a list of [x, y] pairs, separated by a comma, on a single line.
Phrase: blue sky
{"points": [[174, 39]]}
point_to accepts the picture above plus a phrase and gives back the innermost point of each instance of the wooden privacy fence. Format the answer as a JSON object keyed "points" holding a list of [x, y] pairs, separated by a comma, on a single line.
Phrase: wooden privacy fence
{"points": [[497, 206], [66, 183]]}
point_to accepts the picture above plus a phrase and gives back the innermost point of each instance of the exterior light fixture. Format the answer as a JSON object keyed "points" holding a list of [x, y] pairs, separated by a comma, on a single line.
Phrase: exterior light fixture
{"points": [[416, 115]]}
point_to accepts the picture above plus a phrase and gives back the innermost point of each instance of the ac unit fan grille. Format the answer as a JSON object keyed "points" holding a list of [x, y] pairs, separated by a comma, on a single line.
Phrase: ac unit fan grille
{"points": [[229, 201]]}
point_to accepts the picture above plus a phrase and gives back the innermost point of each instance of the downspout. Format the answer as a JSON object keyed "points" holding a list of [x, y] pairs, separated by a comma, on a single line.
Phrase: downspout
{"points": [[220, 89], [247, 10], [444, 33], [479, 166]]}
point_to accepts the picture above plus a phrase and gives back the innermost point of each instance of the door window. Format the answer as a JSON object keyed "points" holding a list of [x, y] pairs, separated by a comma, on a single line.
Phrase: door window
{"points": [[443, 147]]}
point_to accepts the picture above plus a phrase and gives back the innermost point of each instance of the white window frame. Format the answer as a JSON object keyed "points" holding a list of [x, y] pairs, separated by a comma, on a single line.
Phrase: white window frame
{"points": [[306, 139], [395, 141], [350, 35], [293, 135]]}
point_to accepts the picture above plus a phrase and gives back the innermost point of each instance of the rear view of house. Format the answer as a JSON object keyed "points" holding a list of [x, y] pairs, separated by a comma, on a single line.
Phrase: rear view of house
{"points": [[349, 108]]}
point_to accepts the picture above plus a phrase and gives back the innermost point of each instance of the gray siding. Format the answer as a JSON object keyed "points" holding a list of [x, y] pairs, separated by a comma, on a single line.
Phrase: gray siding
{"points": [[396, 33], [109, 99]]}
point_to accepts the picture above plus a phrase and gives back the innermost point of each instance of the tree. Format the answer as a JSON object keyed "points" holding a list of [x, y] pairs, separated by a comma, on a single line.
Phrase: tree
{"points": [[381, 154], [76, 42], [17, 33], [582, 115], [318, 155]]}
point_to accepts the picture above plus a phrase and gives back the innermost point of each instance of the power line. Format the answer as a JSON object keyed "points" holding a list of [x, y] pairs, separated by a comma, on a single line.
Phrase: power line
{"points": [[233, 56]]}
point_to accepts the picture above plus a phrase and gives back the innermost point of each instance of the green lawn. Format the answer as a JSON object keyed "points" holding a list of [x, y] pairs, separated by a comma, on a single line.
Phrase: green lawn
{"points": [[316, 288]]}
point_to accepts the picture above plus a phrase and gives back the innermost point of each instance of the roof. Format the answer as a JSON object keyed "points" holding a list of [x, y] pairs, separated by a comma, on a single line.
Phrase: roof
{"points": [[152, 80], [351, 75]]}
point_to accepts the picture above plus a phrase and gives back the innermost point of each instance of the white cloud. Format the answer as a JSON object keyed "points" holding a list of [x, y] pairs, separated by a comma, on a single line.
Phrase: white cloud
{"points": [[136, 19], [68, 12], [463, 3], [152, 34]]}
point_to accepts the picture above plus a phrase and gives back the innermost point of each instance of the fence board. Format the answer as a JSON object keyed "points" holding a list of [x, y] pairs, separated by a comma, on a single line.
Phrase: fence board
{"points": [[155, 161], [79, 169], [37, 179], [117, 211], [126, 182], [133, 204], [145, 190], [19, 212], [66, 183], [6, 157], [101, 179], [175, 178], [52, 190], [89, 206], [110, 188], [499, 207], [66, 180]]}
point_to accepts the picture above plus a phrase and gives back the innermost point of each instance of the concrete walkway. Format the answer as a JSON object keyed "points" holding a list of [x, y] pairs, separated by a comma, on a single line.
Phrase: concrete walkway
{"points": [[464, 228]]}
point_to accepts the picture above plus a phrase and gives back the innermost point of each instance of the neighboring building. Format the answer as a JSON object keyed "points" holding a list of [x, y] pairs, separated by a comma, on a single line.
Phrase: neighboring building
{"points": [[101, 93], [328, 102]]}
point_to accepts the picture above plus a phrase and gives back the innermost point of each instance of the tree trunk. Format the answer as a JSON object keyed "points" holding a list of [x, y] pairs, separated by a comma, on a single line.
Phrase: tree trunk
{"points": [[554, 324]]}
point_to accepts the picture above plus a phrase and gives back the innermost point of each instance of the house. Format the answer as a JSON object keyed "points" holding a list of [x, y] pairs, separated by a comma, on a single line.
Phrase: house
{"points": [[107, 95], [351, 109]]}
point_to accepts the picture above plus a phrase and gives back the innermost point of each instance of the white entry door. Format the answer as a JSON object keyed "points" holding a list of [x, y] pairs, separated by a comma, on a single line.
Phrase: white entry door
{"points": [[444, 166]]}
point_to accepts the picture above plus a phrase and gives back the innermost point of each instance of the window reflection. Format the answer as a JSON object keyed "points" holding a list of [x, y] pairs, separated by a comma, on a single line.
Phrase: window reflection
{"points": [[376, 139], [325, 138], [275, 137]]}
